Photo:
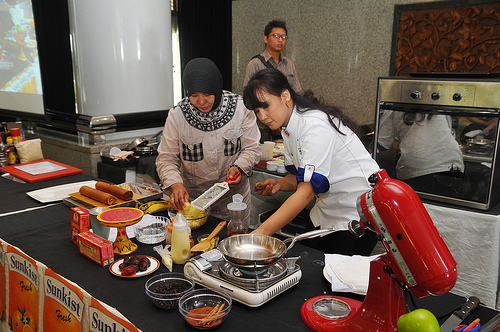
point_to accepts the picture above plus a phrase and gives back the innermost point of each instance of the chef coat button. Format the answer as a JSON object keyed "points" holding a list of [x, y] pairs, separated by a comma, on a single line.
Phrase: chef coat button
{"points": [[212, 134]]}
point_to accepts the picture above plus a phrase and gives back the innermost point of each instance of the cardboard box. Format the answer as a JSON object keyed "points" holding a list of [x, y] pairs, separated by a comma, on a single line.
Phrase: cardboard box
{"points": [[80, 222], [96, 248]]}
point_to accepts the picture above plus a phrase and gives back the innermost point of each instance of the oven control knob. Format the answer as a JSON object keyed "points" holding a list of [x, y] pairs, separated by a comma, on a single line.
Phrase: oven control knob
{"points": [[415, 94], [457, 96], [435, 96]]}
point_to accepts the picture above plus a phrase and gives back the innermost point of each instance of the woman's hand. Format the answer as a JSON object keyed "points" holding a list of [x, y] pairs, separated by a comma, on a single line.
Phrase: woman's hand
{"points": [[267, 188], [232, 172], [179, 196]]}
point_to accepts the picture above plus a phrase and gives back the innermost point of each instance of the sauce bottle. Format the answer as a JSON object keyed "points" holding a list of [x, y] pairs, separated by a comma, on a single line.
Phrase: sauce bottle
{"points": [[170, 228], [237, 224], [181, 247]]}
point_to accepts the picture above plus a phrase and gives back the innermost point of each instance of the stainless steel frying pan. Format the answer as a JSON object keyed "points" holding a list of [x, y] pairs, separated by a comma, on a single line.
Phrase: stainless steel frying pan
{"points": [[256, 251]]}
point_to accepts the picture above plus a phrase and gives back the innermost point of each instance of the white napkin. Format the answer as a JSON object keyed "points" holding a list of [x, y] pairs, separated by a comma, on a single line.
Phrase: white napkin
{"points": [[348, 273]]}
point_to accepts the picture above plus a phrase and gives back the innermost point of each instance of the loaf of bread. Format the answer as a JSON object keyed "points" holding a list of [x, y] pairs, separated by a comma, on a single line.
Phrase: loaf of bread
{"points": [[124, 194], [98, 195]]}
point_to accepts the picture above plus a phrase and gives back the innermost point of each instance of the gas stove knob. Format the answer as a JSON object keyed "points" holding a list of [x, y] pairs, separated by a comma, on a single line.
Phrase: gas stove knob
{"points": [[457, 96], [435, 95], [415, 94]]}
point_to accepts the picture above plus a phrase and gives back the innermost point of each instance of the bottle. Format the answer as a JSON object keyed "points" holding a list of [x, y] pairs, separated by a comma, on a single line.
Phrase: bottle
{"points": [[3, 155], [181, 247], [15, 133], [237, 224], [10, 150], [169, 233]]}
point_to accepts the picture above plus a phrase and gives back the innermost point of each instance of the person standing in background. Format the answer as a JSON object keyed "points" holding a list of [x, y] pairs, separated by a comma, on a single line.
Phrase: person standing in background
{"points": [[275, 37], [208, 137]]}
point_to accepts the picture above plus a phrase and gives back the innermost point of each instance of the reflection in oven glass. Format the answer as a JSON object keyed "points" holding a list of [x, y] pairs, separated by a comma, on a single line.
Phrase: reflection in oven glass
{"points": [[438, 153]]}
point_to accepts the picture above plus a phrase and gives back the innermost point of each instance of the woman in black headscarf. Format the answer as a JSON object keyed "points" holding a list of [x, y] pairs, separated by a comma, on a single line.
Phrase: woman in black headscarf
{"points": [[207, 138]]}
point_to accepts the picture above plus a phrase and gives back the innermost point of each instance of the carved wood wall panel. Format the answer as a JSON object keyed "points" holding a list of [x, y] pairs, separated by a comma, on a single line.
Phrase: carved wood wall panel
{"points": [[463, 39]]}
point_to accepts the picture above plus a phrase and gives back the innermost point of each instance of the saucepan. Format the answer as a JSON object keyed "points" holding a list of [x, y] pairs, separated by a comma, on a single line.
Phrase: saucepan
{"points": [[257, 251]]}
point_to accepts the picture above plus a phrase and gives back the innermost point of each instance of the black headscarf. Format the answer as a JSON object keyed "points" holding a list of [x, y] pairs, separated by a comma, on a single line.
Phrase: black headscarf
{"points": [[202, 75]]}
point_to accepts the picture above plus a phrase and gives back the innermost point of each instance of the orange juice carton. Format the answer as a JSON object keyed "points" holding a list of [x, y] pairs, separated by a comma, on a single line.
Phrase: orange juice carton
{"points": [[96, 248], [63, 306], [103, 317], [24, 289], [80, 222]]}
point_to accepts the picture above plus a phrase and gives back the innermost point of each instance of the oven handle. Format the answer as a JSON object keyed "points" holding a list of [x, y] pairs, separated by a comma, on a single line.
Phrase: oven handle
{"points": [[436, 109]]}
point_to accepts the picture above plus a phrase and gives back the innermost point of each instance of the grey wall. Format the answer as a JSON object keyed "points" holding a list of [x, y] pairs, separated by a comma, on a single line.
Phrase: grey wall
{"points": [[339, 47]]}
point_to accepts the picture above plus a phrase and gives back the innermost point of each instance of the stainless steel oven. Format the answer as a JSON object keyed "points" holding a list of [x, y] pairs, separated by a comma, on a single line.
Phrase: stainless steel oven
{"points": [[440, 135]]}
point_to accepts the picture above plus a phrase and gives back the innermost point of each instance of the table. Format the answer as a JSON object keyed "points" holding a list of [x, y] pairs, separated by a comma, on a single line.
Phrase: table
{"points": [[44, 235]]}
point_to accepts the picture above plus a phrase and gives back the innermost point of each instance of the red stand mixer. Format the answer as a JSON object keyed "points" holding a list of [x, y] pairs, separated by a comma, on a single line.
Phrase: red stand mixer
{"points": [[416, 258]]}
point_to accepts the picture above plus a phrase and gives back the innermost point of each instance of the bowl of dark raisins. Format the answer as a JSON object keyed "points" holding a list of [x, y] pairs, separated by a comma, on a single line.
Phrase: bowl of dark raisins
{"points": [[165, 289]]}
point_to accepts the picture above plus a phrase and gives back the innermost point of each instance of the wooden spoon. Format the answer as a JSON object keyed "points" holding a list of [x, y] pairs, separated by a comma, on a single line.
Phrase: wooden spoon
{"points": [[205, 244]]}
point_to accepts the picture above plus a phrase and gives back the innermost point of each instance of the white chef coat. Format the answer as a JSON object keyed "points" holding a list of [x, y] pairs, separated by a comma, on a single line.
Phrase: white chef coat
{"points": [[338, 166], [427, 147]]}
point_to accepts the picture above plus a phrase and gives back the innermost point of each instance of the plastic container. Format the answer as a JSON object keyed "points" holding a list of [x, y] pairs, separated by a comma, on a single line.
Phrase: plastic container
{"points": [[280, 168], [181, 246], [272, 166], [237, 224], [267, 150]]}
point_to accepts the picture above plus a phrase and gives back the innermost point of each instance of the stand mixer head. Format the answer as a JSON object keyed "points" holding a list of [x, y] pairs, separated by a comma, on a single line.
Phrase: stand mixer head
{"points": [[416, 258]]}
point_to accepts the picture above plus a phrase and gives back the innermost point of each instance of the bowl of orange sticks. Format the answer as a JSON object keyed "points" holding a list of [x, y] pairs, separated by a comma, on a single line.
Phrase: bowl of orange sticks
{"points": [[205, 308]]}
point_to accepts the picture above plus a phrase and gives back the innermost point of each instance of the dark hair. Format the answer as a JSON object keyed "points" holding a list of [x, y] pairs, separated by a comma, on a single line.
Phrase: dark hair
{"points": [[274, 82], [411, 118], [274, 24]]}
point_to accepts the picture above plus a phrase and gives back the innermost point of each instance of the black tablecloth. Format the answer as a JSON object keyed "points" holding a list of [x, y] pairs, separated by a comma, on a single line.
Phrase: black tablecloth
{"points": [[13, 194], [44, 234]]}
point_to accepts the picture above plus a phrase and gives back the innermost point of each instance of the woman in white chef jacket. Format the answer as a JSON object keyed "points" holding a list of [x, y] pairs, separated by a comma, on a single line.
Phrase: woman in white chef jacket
{"points": [[324, 157]]}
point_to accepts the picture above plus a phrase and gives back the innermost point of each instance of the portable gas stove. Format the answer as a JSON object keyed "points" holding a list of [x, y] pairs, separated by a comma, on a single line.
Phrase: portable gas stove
{"points": [[252, 287]]}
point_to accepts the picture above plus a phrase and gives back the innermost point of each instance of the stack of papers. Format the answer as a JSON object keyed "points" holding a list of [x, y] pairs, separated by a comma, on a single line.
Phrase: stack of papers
{"points": [[348, 273]]}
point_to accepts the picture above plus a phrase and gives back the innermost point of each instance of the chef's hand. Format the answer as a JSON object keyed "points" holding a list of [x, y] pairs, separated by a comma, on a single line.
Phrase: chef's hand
{"points": [[230, 173], [179, 196], [267, 188]]}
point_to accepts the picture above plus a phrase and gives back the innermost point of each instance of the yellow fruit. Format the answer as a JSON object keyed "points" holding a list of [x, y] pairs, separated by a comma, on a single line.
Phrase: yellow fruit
{"points": [[158, 206]]}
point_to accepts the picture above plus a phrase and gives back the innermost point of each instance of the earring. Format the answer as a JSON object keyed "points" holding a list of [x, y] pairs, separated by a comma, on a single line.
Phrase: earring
{"points": [[286, 104]]}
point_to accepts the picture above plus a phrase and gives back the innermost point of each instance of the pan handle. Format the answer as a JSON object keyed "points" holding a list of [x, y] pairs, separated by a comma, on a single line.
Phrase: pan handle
{"points": [[308, 235]]}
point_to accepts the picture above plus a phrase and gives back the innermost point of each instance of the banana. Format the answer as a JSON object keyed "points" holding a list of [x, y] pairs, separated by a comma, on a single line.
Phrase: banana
{"points": [[157, 206]]}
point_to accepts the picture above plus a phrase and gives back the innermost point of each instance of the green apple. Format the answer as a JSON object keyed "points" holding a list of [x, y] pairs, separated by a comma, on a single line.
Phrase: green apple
{"points": [[419, 320]]}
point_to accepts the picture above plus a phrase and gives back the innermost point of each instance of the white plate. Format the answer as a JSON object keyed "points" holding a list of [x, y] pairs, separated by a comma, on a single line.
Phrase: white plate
{"points": [[115, 268], [57, 193]]}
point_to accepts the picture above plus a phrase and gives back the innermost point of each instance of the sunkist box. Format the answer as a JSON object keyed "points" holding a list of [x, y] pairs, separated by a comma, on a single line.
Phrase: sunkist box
{"points": [[102, 317], [3, 286], [24, 287], [80, 222], [63, 304], [96, 248]]}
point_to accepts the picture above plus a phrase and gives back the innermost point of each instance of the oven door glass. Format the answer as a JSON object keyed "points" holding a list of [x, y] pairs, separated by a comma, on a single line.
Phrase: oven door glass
{"points": [[438, 151]]}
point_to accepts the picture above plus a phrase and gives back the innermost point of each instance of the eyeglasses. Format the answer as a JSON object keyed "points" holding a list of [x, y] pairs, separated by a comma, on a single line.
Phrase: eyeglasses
{"points": [[278, 36]]}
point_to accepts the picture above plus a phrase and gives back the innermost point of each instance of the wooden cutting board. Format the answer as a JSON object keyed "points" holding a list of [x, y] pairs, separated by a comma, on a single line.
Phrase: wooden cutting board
{"points": [[95, 203]]}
